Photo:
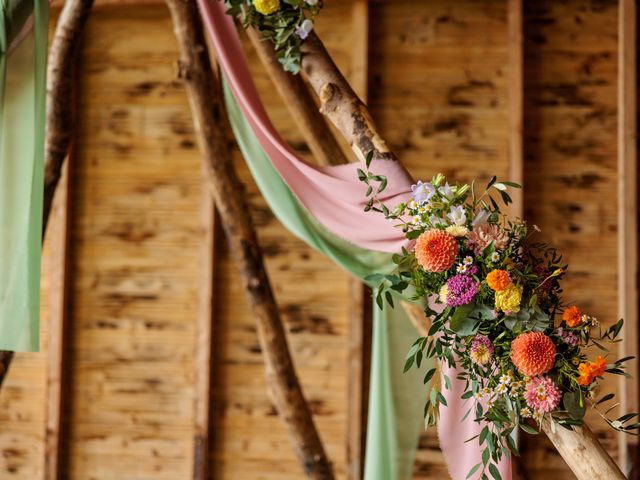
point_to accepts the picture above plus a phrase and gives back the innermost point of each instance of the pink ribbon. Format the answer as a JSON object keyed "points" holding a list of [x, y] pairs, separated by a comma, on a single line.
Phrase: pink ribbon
{"points": [[336, 198]]}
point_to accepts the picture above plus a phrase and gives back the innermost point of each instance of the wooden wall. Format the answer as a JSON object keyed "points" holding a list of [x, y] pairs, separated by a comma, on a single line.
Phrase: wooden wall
{"points": [[438, 81]]}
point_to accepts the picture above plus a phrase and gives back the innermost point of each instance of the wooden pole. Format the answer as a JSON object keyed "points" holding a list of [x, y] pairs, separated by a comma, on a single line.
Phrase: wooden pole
{"points": [[584, 454], [204, 338], [205, 99], [515, 94], [628, 214]]}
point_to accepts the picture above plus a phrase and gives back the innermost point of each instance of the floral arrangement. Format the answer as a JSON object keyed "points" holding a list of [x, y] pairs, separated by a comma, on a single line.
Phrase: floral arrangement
{"points": [[497, 312], [285, 23]]}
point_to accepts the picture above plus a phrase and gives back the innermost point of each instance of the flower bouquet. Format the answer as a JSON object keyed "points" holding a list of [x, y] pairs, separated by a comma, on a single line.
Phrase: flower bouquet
{"points": [[495, 301]]}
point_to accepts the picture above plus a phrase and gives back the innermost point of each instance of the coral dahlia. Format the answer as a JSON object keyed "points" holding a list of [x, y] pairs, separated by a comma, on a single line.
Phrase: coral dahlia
{"points": [[542, 394], [436, 250], [482, 235], [533, 353]]}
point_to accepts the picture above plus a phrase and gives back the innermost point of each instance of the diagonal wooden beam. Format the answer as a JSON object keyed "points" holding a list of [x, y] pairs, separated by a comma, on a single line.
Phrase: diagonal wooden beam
{"points": [[209, 117]]}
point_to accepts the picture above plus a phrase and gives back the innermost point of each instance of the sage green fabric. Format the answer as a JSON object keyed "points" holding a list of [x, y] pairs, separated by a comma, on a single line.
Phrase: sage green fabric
{"points": [[396, 400], [22, 113]]}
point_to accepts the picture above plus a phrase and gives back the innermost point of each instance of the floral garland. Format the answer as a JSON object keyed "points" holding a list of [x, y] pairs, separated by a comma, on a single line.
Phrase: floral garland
{"points": [[521, 349], [284, 23]]}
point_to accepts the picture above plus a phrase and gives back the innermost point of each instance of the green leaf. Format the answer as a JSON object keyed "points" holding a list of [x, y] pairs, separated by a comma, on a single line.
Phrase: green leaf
{"points": [[529, 429], [607, 397], [495, 473], [486, 453], [429, 375], [408, 364], [461, 321], [369, 158], [483, 435], [473, 470]]}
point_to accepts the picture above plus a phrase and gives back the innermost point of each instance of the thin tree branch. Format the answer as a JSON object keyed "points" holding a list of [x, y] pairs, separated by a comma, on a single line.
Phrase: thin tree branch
{"points": [[209, 117], [59, 121]]}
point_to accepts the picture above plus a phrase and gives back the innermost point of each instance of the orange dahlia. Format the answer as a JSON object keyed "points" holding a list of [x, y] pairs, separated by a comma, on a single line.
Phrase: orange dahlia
{"points": [[573, 316], [590, 370], [498, 280], [436, 250], [533, 353]]}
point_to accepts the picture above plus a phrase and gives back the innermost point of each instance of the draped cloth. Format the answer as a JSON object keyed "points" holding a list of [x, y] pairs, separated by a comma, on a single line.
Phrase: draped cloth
{"points": [[333, 199], [23, 53]]}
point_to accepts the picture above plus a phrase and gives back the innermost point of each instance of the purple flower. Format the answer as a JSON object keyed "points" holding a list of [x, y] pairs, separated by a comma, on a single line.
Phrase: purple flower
{"points": [[422, 192], [569, 338], [461, 290], [304, 29]]}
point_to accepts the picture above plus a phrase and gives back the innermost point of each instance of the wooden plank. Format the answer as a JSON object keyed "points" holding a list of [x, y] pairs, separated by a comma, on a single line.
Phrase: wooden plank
{"points": [[627, 213], [204, 338], [57, 366], [515, 108], [360, 325]]}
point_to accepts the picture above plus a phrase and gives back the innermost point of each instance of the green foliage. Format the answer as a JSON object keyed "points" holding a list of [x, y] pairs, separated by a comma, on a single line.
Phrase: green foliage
{"points": [[279, 28]]}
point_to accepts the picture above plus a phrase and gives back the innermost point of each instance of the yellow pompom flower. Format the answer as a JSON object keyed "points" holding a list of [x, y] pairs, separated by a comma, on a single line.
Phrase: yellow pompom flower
{"points": [[444, 290], [508, 300], [266, 7]]}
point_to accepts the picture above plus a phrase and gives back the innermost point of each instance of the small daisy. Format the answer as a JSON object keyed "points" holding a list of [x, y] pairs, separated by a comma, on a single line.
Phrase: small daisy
{"points": [[413, 205], [461, 268], [416, 220], [501, 388], [486, 391], [467, 260], [505, 379], [538, 416], [525, 412], [490, 404], [478, 395], [422, 210], [514, 391], [541, 390], [495, 256]]}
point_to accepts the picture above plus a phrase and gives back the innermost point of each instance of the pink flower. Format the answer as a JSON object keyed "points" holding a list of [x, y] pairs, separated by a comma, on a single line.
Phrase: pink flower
{"points": [[482, 235], [541, 394], [481, 349]]}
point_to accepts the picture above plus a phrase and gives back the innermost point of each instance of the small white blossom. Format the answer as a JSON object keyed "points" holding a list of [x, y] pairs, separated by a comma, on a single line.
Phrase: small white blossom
{"points": [[422, 192], [312, 3], [304, 29], [495, 256], [413, 205], [422, 209], [416, 220], [478, 395], [525, 412], [467, 260], [435, 221], [481, 217], [505, 379], [486, 391], [457, 215], [538, 415], [501, 388], [461, 268]]}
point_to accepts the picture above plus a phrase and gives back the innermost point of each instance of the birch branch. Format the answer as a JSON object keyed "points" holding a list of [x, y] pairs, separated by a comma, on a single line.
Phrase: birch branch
{"points": [[209, 117], [60, 120]]}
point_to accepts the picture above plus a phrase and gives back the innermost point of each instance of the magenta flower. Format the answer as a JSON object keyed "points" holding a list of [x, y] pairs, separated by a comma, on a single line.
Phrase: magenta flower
{"points": [[461, 290], [542, 395], [569, 338]]}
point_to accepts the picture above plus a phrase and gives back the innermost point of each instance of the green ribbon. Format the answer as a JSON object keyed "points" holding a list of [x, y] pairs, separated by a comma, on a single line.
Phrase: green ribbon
{"points": [[22, 120], [396, 400]]}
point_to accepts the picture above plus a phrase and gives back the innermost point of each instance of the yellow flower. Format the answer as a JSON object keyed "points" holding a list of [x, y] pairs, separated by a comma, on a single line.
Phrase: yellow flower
{"points": [[508, 300], [443, 293], [457, 230], [266, 7]]}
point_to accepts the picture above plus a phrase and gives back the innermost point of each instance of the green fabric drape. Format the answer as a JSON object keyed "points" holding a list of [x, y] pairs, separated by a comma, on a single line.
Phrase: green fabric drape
{"points": [[22, 114], [396, 400]]}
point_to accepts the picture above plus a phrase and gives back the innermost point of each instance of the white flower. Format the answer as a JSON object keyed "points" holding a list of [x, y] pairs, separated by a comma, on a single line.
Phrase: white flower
{"points": [[505, 379], [413, 205], [495, 256], [486, 391], [304, 29], [514, 391], [525, 412], [467, 260], [416, 220], [446, 191], [481, 217], [312, 3], [478, 395], [422, 192], [435, 221], [538, 415], [461, 268], [457, 215], [422, 209], [501, 388]]}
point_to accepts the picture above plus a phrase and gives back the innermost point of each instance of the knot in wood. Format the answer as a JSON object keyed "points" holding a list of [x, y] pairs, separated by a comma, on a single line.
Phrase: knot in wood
{"points": [[327, 92]]}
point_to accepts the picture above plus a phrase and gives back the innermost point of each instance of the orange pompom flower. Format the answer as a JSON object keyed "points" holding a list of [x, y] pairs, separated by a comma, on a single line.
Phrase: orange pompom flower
{"points": [[498, 280], [590, 370], [573, 316], [533, 353], [436, 250]]}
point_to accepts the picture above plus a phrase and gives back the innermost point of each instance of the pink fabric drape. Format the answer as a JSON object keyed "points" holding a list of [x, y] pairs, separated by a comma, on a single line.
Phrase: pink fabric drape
{"points": [[335, 197]]}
